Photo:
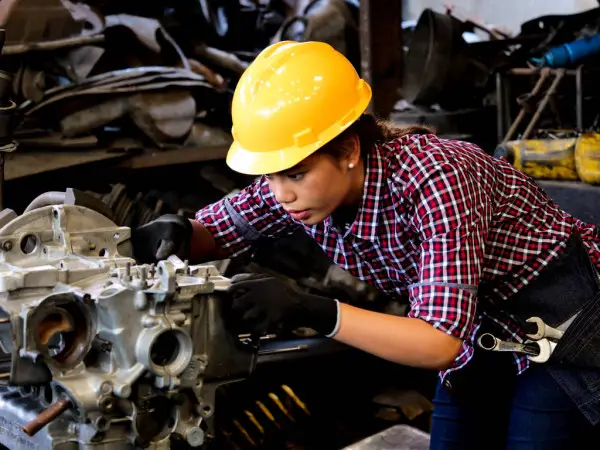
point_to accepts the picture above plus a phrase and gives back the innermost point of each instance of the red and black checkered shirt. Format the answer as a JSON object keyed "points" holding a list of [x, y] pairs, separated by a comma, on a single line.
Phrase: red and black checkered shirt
{"points": [[440, 221]]}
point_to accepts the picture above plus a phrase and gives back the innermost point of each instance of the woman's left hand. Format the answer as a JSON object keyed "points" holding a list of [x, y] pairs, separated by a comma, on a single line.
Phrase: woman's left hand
{"points": [[263, 304]]}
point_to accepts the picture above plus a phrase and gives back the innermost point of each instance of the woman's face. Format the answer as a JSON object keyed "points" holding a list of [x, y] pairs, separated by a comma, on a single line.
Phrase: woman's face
{"points": [[313, 189]]}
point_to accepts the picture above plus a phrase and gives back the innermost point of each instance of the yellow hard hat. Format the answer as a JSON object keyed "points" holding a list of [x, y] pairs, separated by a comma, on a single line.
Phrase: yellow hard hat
{"points": [[292, 99]]}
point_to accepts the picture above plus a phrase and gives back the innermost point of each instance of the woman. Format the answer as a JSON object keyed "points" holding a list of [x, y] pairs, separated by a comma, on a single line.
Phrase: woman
{"points": [[475, 244]]}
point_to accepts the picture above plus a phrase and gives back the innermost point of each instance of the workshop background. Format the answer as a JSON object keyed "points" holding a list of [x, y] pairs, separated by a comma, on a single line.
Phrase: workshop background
{"points": [[123, 106]]}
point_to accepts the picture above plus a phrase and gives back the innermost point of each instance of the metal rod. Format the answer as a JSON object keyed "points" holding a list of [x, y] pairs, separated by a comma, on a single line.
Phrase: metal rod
{"points": [[500, 106], [533, 71], [46, 416], [536, 89], [53, 45], [557, 78], [276, 351], [579, 98]]}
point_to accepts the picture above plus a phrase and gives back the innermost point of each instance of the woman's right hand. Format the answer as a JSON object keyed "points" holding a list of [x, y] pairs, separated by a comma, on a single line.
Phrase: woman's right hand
{"points": [[167, 235]]}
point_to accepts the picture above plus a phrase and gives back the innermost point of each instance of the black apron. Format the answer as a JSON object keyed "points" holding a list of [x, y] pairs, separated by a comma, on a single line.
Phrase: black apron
{"points": [[568, 287]]}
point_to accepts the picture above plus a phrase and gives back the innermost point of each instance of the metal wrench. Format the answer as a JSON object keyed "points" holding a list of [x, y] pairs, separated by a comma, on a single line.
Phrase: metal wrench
{"points": [[544, 330], [537, 351], [488, 341]]}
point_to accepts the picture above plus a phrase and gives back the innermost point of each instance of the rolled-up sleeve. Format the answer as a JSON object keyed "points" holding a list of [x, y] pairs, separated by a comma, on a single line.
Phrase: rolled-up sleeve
{"points": [[237, 221], [451, 215]]}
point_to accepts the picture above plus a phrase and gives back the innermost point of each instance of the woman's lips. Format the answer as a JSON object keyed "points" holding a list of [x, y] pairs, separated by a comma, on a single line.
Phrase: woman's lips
{"points": [[299, 215]]}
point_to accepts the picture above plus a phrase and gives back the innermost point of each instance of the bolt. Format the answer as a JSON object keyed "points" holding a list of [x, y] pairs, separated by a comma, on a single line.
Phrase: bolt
{"points": [[195, 437], [7, 246], [106, 388], [128, 271]]}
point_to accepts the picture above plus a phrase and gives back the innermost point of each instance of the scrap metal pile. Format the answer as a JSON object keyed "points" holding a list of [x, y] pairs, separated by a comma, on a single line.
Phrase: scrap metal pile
{"points": [[132, 75], [490, 86]]}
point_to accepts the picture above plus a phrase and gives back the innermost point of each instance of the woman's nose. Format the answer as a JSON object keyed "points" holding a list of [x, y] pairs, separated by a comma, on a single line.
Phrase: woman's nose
{"points": [[282, 191]]}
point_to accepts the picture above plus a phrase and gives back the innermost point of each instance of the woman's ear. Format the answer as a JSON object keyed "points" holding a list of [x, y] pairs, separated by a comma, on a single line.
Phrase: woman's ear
{"points": [[353, 151]]}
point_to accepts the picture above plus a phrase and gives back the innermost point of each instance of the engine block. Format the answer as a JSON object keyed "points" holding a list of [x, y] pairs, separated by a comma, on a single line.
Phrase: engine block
{"points": [[98, 352]]}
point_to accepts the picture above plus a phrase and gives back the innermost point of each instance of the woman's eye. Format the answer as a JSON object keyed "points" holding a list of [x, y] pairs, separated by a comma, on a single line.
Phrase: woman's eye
{"points": [[296, 176]]}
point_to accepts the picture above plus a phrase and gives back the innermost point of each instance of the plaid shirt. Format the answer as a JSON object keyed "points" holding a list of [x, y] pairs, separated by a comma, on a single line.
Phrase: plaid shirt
{"points": [[441, 222]]}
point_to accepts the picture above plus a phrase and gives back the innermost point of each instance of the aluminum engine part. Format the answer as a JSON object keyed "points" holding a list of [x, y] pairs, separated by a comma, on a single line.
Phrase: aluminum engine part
{"points": [[98, 352]]}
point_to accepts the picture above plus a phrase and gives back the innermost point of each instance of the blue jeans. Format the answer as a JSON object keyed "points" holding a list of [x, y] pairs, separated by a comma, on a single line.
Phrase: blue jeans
{"points": [[495, 409]]}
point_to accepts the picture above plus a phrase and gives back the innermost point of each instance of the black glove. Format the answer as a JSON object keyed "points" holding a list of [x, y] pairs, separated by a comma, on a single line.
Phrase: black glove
{"points": [[165, 236], [263, 304]]}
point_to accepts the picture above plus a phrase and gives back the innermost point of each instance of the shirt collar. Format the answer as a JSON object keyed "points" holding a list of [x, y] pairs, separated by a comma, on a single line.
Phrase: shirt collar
{"points": [[365, 224]]}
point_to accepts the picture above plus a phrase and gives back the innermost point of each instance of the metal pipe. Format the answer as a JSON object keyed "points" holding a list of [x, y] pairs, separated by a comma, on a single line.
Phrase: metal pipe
{"points": [[500, 106], [534, 92], [46, 416], [557, 78], [534, 71], [579, 98]]}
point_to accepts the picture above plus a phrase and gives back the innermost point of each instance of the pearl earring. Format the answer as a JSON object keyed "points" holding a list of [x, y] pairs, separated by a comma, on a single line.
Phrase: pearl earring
{"points": [[351, 166]]}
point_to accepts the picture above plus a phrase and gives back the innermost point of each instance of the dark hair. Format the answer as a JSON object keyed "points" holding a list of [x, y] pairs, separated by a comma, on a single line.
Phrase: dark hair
{"points": [[371, 131]]}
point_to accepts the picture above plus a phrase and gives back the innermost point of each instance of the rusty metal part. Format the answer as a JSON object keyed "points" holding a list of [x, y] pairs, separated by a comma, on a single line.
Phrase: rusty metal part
{"points": [[54, 324], [216, 80], [49, 46], [47, 416], [222, 58]]}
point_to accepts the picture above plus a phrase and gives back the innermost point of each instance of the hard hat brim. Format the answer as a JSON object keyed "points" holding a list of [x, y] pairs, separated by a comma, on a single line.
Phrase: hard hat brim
{"points": [[260, 163]]}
